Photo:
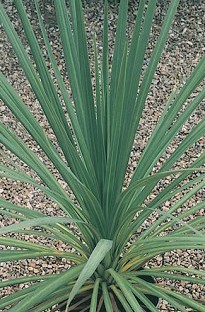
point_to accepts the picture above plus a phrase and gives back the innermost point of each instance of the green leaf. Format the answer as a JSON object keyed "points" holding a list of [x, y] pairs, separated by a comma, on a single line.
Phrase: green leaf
{"points": [[118, 51], [158, 292], [56, 231], [85, 83], [186, 301], [141, 296], [154, 227], [24, 279], [28, 254], [106, 298], [143, 250], [124, 286], [121, 298], [37, 222], [158, 142], [44, 74], [46, 288], [123, 206], [74, 46], [160, 272], [14, 298], [14, 242], [43, 93], [33, 250], [74, 120], [94, 299], [98, 254]]}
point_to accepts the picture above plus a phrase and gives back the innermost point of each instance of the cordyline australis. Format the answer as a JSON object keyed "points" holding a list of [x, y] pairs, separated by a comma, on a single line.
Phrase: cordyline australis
{"points": [[94, 147]]}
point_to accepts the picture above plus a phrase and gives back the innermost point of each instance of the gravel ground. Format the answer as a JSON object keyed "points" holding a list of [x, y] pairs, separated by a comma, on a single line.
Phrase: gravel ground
{"points": [[184, 48]]}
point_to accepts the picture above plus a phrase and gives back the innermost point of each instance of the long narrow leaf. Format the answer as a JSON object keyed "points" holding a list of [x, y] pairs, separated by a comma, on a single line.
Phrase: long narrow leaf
{"points": [[94, 299], [36, 222], [46, 288], [124, 286], [94, 260]]}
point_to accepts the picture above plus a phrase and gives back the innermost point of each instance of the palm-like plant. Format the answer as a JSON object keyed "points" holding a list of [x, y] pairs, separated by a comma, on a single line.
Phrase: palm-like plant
{"points": [[95, 147]]}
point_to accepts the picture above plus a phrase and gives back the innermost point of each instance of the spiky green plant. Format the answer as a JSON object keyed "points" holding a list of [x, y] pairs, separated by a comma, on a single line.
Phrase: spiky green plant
{"points": [[92, 159]]}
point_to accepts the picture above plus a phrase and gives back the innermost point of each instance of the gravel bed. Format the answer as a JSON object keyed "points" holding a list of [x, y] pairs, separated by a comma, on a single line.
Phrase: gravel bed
{"points": [[184, 48]]}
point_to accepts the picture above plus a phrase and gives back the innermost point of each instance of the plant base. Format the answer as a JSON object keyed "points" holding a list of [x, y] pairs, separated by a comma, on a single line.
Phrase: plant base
{"points": [[82, 301]]}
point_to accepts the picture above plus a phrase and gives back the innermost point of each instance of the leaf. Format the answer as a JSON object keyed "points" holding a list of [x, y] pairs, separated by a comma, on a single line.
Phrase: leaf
{"points": [[14, 298], [24, 279], [161, 272], [37, 222], [124, 286], [106, 298], [46, 288], [14, 242], [74, 120], [121, 298], [13, 255], [94, 299], [143, 250], [98, 254], [118, 50], [124, 205], [176, 300], [144, 299]]}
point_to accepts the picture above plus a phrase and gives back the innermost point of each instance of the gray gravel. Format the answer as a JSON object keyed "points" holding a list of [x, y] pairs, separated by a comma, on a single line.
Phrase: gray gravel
{"points": [[184, 48]]}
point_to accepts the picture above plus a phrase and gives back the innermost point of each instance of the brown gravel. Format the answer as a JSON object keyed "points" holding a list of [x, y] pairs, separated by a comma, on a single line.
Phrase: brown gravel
{"points": [[184, 48]]}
